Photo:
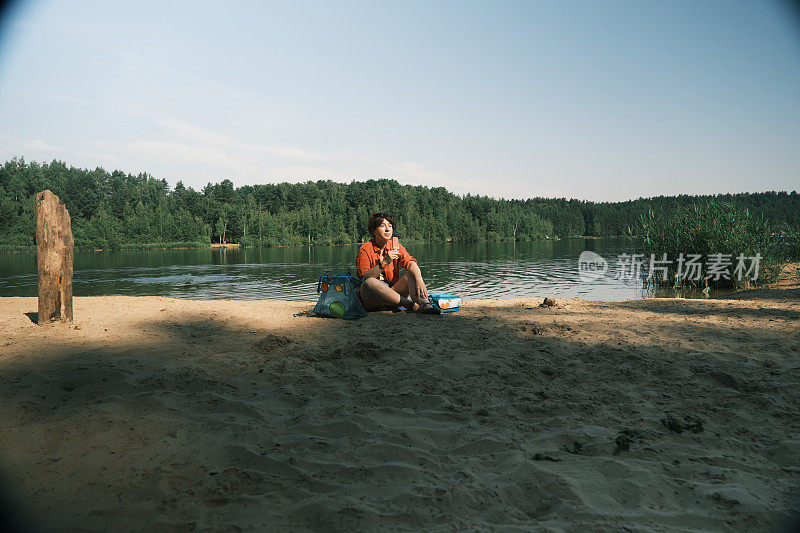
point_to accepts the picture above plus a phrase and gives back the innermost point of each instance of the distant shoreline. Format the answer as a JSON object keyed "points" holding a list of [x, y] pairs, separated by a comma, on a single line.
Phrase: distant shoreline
{"points": [[233, 245]]}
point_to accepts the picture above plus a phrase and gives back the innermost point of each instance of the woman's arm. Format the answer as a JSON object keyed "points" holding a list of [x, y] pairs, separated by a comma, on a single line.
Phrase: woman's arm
{"points": [[385, 260], [373, 272], [422, 290]]}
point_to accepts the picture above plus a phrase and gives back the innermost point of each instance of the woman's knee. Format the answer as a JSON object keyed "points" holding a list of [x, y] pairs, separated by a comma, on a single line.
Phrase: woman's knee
{"points": [[371, 287], [371, 294], [370, 284]]}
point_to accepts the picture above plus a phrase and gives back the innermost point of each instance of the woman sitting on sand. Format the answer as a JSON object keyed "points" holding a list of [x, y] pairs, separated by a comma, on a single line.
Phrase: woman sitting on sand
{"points": [[378, 263]]}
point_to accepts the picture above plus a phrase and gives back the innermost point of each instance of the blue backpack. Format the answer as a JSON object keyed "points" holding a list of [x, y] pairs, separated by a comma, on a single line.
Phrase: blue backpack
{"points": [[338, 298]]}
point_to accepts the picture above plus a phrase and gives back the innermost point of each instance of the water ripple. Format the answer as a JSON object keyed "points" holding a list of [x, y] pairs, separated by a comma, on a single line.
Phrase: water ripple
{"points": [[474, 271]]}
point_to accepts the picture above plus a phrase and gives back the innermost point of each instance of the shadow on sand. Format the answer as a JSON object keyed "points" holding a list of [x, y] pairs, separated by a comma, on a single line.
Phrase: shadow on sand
{"points": [[405, 421]]}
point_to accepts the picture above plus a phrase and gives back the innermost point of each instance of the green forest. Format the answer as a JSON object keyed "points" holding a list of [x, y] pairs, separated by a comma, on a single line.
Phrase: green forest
{"points": [[112, 210]]}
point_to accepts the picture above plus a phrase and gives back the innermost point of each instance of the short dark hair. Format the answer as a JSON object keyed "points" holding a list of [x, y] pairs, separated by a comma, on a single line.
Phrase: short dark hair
{"points": [[376, 219]]}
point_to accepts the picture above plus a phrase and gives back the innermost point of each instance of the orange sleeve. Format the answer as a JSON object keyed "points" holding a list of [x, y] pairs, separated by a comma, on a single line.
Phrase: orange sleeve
{"points": [[363, 261], [405, 258]]}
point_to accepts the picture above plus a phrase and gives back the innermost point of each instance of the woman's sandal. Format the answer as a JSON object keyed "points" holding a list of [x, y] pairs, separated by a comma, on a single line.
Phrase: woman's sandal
{"points": [[428, 309]]}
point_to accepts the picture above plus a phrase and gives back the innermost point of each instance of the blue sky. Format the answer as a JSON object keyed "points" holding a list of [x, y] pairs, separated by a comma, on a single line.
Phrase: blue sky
{"points": [[597, 100]]}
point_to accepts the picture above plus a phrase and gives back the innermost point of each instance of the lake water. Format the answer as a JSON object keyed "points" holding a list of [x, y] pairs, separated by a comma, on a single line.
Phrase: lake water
{"points": [[474, 271]]}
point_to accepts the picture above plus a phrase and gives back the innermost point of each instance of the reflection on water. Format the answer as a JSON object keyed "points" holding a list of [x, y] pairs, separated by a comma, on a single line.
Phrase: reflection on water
{"points": [[475, 271]]}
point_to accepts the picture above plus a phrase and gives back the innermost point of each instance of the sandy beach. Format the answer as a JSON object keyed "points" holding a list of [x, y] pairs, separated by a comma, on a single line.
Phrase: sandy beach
{"points": [[152, 413]]}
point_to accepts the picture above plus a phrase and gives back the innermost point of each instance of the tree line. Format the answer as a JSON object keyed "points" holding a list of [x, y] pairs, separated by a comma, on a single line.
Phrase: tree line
{"points": [[114, 210]]}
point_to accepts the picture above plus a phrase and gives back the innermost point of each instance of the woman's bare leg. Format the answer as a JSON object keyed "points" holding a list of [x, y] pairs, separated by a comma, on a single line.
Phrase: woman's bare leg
{"points": [[407, 286], [375, 294]]}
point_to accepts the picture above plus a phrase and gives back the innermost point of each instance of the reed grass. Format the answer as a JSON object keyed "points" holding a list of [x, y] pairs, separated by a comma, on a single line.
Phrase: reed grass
{"points": [[712, 228]]}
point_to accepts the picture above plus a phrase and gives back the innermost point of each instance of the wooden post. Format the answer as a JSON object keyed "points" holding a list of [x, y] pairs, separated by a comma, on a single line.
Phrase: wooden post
{"points": [[54, 257]]}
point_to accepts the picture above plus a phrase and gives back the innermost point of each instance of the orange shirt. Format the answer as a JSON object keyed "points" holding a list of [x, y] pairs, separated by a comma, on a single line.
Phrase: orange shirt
{"points": [[369, 255]]}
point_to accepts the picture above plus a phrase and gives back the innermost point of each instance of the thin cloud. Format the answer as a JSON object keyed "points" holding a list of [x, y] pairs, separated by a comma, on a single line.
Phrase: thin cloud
{"points": [[190, 132], [38, 144]]}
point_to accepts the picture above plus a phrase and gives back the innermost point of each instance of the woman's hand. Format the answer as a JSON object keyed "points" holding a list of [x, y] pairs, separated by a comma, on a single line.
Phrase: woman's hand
{"points": [[391, 254]]}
